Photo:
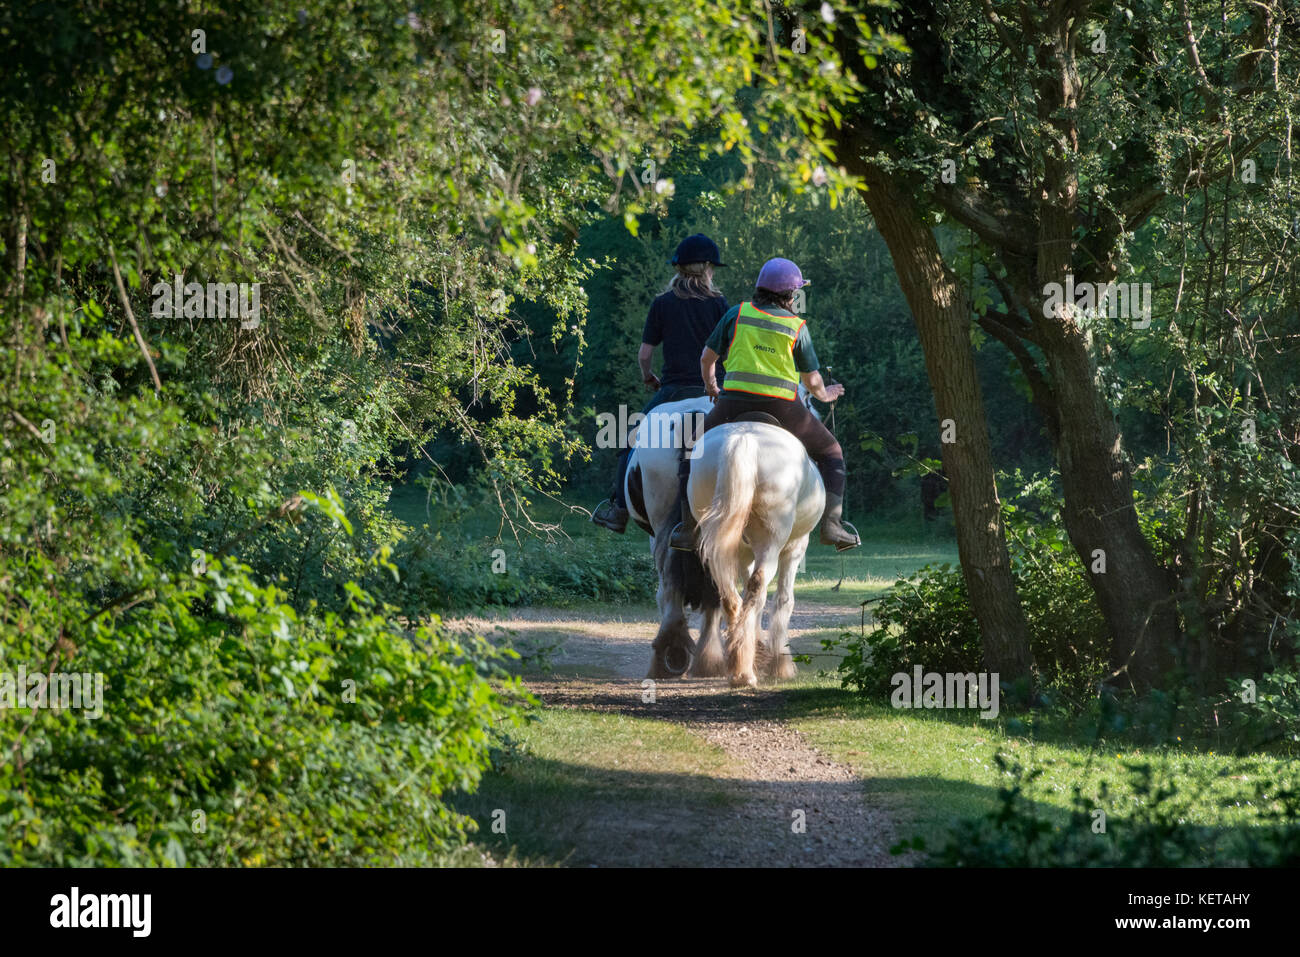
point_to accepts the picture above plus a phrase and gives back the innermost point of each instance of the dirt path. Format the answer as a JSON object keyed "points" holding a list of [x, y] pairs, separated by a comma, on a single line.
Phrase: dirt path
{"points": [[789, 804]]}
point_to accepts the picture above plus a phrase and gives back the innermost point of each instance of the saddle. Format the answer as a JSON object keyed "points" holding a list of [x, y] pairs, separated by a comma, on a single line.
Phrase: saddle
{"points": [[755, 416]]}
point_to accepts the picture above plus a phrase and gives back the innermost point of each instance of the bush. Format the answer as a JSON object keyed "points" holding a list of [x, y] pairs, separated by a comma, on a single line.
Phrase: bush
{"points": [[259, 705], [1023, 833], [236, 731], [448, 571], [927, 620]]}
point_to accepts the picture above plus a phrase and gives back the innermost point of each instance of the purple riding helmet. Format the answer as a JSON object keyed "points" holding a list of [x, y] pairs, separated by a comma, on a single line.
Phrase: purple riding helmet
{"points": [[780, 275]]}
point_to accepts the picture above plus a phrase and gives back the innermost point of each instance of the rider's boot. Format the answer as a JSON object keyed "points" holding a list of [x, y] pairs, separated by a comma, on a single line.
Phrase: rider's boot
{"points": [[609, 514], [683, 536], [612, 513], [833, 531]]}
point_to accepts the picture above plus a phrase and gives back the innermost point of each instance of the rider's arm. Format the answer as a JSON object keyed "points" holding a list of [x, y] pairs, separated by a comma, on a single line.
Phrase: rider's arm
{"points": [[643, 358], [805, 360], [708, 359], [812, 381]]}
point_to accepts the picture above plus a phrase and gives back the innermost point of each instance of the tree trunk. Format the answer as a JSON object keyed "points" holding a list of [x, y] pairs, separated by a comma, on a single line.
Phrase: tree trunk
{"points": [[1099, 513], [942, 318], [1100, 516]]}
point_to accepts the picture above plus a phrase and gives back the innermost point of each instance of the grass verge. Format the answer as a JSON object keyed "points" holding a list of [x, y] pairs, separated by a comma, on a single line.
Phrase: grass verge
{"points": [[586, 787]]}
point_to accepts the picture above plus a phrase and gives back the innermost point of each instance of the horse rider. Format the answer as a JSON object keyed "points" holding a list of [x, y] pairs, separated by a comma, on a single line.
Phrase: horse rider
{"points": [[768, 351], [680, 320]]}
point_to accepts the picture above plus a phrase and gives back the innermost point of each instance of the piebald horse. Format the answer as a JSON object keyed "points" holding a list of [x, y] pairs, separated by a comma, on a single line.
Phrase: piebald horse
{"points": [[757, 496], [662, 438]]}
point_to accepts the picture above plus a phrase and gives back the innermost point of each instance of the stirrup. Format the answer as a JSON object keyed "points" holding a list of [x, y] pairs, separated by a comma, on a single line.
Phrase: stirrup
{"points": [[849, 527], [673, 534]]}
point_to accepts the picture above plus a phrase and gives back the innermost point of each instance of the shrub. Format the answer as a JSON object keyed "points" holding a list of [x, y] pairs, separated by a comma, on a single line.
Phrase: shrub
{"points": [[1023, 833], [927, 620], [259, 705], [236, 731]]}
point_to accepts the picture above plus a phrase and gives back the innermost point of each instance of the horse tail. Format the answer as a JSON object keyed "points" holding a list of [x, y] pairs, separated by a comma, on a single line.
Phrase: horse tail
{"points": [[723, 523]]}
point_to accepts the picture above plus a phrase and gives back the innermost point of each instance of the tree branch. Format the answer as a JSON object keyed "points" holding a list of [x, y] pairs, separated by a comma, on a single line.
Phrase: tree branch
{"points": [[135, 328]]}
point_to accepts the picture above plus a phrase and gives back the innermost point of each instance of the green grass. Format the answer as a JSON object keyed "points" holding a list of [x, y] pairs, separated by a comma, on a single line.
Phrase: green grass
{"points": [[566, 560], [931, 768], [585, 787], [864, 572], [559, 557]]}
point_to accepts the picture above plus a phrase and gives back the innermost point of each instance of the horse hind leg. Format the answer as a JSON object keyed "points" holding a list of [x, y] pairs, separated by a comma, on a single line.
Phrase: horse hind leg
{"points": [[740, 669], [742, 637], [781, 661], [710, 662]]}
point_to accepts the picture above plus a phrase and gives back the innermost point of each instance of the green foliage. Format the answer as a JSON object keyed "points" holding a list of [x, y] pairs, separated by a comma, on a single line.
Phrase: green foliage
{"points": [[1267, 711], [195, 505], [447, 570], [1155, 832], [926, 620], [235, 730]]}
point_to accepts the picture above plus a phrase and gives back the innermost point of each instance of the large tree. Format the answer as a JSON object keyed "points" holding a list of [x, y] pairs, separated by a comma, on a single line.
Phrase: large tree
{"points": [[1061, 120]]}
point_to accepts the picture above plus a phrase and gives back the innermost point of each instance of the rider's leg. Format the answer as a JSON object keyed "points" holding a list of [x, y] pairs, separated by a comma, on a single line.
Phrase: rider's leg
{"points": [[613, 513], [829, 458], [683, 535], [833, 531]]}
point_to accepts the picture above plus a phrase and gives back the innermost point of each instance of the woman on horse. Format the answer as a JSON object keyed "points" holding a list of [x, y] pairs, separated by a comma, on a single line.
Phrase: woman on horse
{"points": [[768, 351], [680, 320]]}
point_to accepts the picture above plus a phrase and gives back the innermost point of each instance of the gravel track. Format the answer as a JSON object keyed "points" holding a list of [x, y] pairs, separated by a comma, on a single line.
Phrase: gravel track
{"points": [[598, 665]]}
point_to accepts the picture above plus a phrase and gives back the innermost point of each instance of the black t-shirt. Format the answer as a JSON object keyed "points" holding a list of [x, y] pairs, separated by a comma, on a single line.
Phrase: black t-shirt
{"points": [[682, 326]]}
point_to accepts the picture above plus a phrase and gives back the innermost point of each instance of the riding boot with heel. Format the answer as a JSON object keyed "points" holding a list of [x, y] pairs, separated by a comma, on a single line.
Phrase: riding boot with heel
{"points": [[833, 531], [609, 514]]}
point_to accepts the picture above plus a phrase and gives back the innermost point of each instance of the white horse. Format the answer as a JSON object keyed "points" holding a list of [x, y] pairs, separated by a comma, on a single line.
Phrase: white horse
{"points": [[757, 496], [662, 438]]}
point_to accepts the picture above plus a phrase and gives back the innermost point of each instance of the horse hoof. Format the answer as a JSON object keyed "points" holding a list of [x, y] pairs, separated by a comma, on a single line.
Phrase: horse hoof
{"points": [[676, 661], [744, 681]]}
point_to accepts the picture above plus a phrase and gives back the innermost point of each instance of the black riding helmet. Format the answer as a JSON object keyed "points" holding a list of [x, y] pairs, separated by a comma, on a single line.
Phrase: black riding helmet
{"points": [[697, 249]]}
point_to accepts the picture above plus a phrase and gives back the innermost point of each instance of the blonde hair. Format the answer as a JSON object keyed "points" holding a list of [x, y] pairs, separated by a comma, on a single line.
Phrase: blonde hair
{"points": [[694, 281]]}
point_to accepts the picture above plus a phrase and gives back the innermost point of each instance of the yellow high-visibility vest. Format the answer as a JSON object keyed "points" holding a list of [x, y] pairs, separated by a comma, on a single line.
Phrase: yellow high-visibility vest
{"points": [[760, 359]]}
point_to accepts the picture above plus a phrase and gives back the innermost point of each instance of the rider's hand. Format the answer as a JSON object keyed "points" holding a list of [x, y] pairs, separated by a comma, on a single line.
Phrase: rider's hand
{"points": [[833, 392], [712, 389], [652, 383]]}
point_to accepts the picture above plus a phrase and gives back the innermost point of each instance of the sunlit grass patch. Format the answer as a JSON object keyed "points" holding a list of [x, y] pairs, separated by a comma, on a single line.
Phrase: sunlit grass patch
{"points": [[933, 768], [583, 781]]}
